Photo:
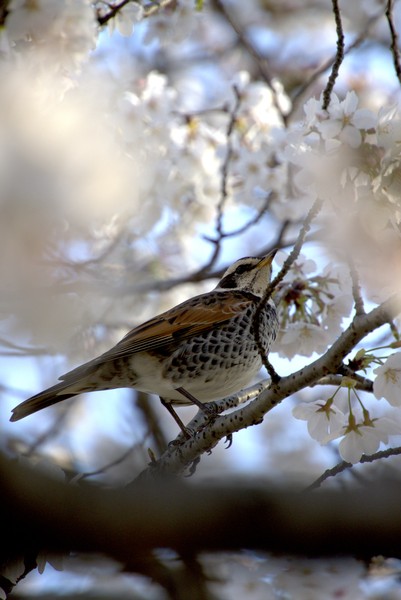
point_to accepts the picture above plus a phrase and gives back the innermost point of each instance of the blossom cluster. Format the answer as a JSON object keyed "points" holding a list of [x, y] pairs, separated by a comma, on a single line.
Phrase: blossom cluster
{"points": [[359, 432], [312, 304], [350, 157], [55, 35]]}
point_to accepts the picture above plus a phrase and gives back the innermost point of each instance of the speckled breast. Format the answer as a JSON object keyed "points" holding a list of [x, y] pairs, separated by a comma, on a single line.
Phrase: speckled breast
{"points": [[226, 358]]}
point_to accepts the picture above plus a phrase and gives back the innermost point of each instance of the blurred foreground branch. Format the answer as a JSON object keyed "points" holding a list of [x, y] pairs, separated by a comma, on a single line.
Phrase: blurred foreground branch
{"points": [[126, 524]]}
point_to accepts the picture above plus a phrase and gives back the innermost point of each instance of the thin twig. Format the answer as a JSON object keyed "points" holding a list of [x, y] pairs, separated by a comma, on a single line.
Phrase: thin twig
{"points": [[19, 350], [292, 257], [278, 279], [339, 56], [302, 89], [361, 383], [148, 11], [114, 10], [117, 461], [261, 62], [146, 406], [254, 221], [344, 465], [394, 39], [226, 163], [51, 432], [223, 190], [356, 288]]}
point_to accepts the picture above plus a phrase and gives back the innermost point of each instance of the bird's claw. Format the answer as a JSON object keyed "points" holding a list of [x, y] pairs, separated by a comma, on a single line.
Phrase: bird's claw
{"points": [[229, 441], [192, 467]]}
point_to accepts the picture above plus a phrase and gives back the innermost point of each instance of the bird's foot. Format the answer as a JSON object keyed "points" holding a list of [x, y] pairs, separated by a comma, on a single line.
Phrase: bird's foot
{"points": [[186, 434], [210, 409], [192, 467]]}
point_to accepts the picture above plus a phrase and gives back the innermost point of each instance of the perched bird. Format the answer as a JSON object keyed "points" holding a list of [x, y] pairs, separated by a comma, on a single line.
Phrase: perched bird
{"points": [[199, 351]]}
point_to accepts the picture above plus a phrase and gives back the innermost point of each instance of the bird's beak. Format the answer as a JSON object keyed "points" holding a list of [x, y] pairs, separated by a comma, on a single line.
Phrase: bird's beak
{"points": [[268, 259]]}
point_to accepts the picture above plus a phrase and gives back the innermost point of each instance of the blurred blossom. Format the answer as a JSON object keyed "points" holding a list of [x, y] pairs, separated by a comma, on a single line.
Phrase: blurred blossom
{"points": [[181, 23], [125, 19], [301, 338], [316, 579], [291, 208], [258, 104], [63, 178], [349, 157], [388, 380], [59, 33]]}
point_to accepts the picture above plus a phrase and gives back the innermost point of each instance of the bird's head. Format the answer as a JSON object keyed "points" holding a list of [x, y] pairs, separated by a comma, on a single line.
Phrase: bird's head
{"points": [[251, 274]]}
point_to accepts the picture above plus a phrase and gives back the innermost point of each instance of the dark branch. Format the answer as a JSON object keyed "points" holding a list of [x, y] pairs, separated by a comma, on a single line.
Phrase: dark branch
{"points": [[343, 466], [302, 89], [394, 39], [339, 56]]}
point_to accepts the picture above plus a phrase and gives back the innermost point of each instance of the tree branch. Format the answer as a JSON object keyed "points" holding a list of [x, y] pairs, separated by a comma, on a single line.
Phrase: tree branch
{"points": [[177, 457], [344, 465]]}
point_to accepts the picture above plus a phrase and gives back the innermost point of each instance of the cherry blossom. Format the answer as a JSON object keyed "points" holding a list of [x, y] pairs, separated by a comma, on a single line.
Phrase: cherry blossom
{"points": [[388, 380], [345, 121], [301, 338], [59, 33], [125, 19], [365, 436], [325, 420]]}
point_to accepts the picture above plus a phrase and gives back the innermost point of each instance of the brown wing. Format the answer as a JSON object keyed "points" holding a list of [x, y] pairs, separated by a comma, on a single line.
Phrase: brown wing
{"points": [[193, 316], [185, 320]]}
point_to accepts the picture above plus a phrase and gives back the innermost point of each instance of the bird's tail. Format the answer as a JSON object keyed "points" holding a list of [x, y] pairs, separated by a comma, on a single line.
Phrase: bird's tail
{"points": [[48, 397]]}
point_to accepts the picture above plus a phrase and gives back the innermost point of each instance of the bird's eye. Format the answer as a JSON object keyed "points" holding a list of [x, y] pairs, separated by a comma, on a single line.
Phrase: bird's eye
{"points": [[241, 269]]}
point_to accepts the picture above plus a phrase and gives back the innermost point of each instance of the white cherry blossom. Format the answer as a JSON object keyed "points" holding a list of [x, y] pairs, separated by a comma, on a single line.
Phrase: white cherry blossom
{"points": [[363, 435], [357, 442], [345, 121], [301, 338], [388, 380], [324, 419]]}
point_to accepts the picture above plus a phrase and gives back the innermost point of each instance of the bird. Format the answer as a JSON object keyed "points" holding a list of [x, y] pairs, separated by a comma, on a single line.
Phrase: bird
{"points": [[199, 351]]}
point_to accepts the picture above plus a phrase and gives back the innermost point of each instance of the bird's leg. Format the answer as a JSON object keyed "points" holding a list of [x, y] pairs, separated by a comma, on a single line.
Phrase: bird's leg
{"points": [[176, 418], [206, 407], [274, 376]]}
